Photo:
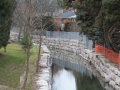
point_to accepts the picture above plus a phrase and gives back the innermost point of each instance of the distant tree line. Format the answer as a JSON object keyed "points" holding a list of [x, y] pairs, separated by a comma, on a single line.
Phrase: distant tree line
{"points": [[100, 20]]}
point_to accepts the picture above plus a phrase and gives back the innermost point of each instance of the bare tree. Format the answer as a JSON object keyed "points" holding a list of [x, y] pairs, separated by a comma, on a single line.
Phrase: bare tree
{"points": [[29, 15], [43, 8], [20, 16], [23, 16]]}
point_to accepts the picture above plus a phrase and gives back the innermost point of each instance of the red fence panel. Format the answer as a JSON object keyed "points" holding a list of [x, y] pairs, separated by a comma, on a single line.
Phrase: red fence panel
{"points": [[113, 56]]}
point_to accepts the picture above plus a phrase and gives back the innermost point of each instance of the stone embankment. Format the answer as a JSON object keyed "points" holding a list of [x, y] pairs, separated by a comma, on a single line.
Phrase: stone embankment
{"points": [[43, 79], [108, 70], [76, 62]]}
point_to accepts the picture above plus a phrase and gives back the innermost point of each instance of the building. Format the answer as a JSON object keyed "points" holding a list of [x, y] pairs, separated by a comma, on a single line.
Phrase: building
{"points": [[64, 17]]}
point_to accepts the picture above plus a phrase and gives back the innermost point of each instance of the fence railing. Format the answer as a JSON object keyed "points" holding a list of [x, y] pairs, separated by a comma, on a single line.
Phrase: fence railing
{"points": [[78, 67], [70, 35]]}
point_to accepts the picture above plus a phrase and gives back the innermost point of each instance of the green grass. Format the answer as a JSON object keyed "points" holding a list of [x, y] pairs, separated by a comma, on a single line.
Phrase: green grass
{"points": [[12, 64]]}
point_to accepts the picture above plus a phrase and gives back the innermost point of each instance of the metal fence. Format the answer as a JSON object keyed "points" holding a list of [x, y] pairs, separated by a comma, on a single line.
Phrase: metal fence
{"points": [[70, 35], [77, 67]]}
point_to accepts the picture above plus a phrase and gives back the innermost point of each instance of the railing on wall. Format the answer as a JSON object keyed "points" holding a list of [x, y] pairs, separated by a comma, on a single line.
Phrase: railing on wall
{"points": [[70, 35]]}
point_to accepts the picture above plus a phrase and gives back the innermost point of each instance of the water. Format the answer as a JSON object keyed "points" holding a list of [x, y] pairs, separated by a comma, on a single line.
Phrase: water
{"points": [[64, 80], [68, 79], [69, 65], [71, 72]]}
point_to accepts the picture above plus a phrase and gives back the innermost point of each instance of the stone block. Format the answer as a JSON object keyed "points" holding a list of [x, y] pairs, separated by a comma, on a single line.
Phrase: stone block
{"points": [[107, 70], [102, 67], [116, 71], [117, 79], [113, 77], [112, 83], [110, 88], [119, 73], [117, 87], [90, 55], [95, 56]]}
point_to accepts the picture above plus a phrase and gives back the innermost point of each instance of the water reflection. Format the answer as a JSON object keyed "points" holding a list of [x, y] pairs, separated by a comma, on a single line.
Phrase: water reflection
{"points": [[64, 80], [67, 79]]}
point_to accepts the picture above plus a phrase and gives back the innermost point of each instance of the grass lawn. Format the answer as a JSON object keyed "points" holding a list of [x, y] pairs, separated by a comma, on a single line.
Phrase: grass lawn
{"points": [[12, 64]]}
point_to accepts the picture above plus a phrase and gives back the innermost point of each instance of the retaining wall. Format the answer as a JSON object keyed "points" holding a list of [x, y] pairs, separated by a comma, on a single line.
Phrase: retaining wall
{"points": [[108, 70], [43, 78]]}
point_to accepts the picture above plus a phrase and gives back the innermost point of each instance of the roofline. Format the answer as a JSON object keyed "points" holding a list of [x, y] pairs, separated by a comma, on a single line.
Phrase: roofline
{"points": [[64, 17]]}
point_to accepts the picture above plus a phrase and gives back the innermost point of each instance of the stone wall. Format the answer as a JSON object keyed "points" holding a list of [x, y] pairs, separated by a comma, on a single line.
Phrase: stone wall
{"points": [[108, 70], [76, 62], [43, 78]]}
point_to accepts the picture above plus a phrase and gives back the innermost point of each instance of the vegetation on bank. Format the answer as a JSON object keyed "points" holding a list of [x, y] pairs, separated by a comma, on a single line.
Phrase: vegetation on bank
{"points": [[20, 13], [12, 65]]}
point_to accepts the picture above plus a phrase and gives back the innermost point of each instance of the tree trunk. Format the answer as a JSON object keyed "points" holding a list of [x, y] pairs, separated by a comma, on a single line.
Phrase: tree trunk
{"points": [[27, 68], [37, 63], [4, 49], [25, 50], [28, 50], [109, 42], [19, 34], [93, 43], [113, 45], [111, 31]]}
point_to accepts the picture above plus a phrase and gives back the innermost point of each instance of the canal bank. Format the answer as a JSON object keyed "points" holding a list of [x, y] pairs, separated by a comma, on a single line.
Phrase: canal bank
{"points": [[108, 70], [87, 71], [43, 79]]}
